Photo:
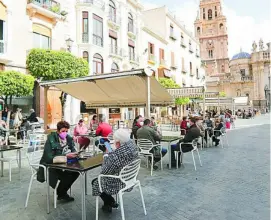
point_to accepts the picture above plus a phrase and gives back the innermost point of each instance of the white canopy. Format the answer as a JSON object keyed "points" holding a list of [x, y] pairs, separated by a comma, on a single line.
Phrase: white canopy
{"points": [[114, 90]]}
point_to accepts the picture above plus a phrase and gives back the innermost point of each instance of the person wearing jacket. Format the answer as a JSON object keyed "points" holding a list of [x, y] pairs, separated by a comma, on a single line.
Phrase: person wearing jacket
{"points": [[58, 146], [192, 133], [126, 152], [183, 126], [217, 131], [138, 123]]}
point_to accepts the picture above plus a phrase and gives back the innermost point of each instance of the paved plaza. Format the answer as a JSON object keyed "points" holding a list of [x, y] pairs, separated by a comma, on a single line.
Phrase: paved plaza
{"points": [[233, 184]]}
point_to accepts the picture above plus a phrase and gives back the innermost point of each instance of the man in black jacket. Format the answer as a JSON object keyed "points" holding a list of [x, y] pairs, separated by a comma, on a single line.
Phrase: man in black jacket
{"points": [[192, 133]]}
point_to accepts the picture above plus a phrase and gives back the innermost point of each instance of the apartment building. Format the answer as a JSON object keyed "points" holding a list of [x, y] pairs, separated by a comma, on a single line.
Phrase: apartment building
{"points": [[108, 37], [171, 50], [27, 24]]}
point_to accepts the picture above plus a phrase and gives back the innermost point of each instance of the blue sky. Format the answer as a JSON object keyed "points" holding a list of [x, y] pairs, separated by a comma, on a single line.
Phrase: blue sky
{"points": [[248, 20]]}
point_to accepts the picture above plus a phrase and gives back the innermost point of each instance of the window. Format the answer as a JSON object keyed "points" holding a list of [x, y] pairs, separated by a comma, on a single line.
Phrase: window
{"points": [[221, 26], [238, 92], [182, 39], [198, 30], [131, 52], [210, 53], [151, 48], [85, 56], [197, 72], [161, 54], [243, 72], [215, 13], [114, 68], [97, 30], [203, 13], [130, 23], [2, 47], [85, 27], [112, 11], [97, 64], [41, 41], [113, 45], [172, 59], [222, 69], [183, 66], [191, 68], [171, 30], [210, 14]]}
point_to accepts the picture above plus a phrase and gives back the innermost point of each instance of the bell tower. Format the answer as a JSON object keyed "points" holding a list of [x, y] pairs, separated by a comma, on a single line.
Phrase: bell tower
{"points": [[211, 30]]}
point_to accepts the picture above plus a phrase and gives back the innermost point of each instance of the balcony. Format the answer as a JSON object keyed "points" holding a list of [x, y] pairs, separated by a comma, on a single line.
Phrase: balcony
{"points": [[163, 63], [174, 65], [85, 37], [48, 8], [97, 3], [131, 31], [191, 73], [2, 47], [183, 44], [3, 52], [246, 78], [191, 49], [115, 51], [184, 70], [97, 40], [172, 36], [197, 53], [114, 22], [152, 59], [133, 58]]}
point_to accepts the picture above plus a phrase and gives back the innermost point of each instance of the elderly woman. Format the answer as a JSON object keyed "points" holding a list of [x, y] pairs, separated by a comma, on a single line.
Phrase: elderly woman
{"points": [[81, 129], [58, 147], [125, 153]]}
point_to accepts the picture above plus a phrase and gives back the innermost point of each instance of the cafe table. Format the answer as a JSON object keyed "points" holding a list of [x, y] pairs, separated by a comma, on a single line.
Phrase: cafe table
{"points": [[169, 140], [81, 167], [4, 148]]}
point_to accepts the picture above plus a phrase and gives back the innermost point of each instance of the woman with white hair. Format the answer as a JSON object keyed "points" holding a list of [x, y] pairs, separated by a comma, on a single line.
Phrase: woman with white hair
{"points": [[125, 153]]}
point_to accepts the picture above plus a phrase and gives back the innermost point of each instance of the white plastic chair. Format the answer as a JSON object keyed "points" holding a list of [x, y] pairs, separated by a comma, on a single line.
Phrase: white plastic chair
{"points": [[194, 144], [145, 147], [223, 135], [34, 155], [128, 176]]}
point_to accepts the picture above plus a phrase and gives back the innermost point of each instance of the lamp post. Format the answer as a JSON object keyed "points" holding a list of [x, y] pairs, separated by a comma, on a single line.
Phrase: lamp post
{"points": [[69, 43]]}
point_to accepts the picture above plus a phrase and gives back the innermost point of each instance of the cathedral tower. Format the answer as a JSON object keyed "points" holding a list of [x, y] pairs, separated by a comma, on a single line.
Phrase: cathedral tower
{"points": [[211, 30]]}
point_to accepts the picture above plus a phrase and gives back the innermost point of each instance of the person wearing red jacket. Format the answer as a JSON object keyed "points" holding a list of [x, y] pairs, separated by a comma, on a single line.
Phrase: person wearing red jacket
{"points": [[184, 125]]}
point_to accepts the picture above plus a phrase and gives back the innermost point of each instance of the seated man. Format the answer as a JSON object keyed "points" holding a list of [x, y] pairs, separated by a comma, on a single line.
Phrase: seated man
{"points": [[58, 147], [126, 152], [146, 132], [217, 129], [103, 130], [192, 133]]}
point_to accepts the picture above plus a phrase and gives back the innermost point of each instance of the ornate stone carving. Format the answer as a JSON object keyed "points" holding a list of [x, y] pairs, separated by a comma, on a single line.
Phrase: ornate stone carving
{"points": [[254, 47], [210, 44], [261, 46]]}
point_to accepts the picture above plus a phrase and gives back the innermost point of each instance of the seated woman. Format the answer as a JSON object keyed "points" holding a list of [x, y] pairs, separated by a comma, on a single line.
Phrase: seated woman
{"points": [[125, 153], [81, 129], [184, 126], [103, 130], [58, 147], [93, 123], [217, 129]]}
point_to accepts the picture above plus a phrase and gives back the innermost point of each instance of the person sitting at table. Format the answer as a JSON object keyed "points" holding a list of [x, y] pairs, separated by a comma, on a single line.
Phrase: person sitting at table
{"points": [[93, 122], [81, 129], [153, 123], [147, 132], [103, 130], [58, 147], [126, 152], [184, 125], [217, 131], [3, 131], [138, 123], [192, 133]]}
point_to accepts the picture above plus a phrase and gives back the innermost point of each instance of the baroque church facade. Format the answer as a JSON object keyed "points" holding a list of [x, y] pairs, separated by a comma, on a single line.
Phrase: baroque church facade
{"points": [[245, 74]]}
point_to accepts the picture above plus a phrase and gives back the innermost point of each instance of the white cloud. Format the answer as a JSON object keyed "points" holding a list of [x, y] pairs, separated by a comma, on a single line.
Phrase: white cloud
{"points": [[242, 30]]}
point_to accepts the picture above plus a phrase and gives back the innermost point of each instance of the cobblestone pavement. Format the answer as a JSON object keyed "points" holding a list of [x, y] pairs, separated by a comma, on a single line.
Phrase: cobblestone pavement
{"points": [[233, 184]]}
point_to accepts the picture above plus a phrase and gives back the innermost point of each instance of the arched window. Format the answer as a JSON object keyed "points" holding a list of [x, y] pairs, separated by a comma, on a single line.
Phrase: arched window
{"points": [[238, 92], [210, 14], [112, 11], [98, 66], [221, 26], [114, 68], [198, 30], [222, 69], [85, 56], [130, 23], [203, 13], [210, 53]]}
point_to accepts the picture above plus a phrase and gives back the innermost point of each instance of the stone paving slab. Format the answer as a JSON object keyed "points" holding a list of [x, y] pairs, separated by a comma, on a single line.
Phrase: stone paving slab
{"points": [[233, 184]]}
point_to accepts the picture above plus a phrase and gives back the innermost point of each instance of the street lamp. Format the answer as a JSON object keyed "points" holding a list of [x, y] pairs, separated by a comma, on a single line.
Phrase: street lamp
{"points": [[69, 43]]}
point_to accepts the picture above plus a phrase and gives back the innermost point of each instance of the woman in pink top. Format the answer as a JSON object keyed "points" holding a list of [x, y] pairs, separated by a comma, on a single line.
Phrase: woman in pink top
{"points": [[81, 129], [93, 123]]}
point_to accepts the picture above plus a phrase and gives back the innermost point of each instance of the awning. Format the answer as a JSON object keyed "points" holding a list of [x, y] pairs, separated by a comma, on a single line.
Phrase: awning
{"points": [[123, 89]]}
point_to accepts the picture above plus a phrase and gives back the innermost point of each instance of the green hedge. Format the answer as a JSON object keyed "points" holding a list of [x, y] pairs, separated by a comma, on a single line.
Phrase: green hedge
{"points": [[168, 83], [51, 65], [13, 83]]}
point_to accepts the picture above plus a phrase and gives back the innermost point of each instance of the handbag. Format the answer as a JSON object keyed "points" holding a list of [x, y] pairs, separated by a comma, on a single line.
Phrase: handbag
{"points": [[60, 159]]}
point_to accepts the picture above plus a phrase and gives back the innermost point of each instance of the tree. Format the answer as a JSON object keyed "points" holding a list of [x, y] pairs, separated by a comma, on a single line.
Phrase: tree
{"points": [[13, 83], [222, 94], [182, 101], [168, 83], [52, 65]]}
